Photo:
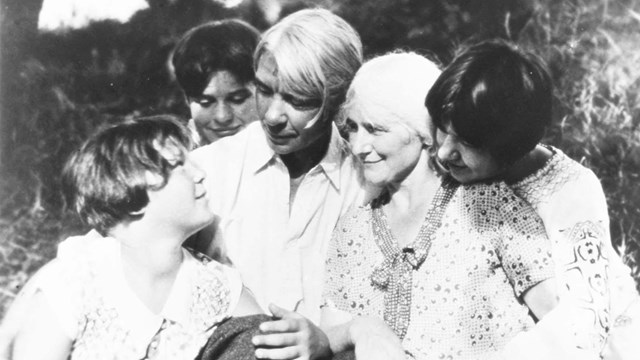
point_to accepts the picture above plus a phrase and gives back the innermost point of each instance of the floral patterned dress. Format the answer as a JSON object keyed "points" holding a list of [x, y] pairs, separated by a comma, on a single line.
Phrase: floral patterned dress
{"points": [[465, 289], [86, 288]]}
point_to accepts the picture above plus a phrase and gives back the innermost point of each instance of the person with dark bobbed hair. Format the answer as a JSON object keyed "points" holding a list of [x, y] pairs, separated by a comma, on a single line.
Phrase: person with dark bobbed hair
{"points": [[129, 290], [495, 97], [490, 107], [213, 64]]}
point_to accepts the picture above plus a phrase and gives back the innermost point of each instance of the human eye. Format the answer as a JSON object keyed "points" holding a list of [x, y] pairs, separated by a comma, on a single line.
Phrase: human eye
{"points": [[203, 101], [239, 97], [373, 128], [263, 89], [350, 126], [300, 103]]}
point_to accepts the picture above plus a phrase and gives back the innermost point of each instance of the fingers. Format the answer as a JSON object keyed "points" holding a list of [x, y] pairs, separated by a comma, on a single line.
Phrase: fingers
{"points": [[276, 340], [281, 326], [291, 352], [279, 312]]}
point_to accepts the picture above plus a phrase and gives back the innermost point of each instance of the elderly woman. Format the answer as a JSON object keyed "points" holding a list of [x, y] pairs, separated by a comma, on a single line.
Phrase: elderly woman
{"points": [[430, 269], [128, 290], [213, 64], [288, 177], [490, 108]]}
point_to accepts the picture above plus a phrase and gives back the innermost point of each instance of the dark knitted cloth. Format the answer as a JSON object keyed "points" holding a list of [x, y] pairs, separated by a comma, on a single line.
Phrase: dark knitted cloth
{"points": [[232, 340]]}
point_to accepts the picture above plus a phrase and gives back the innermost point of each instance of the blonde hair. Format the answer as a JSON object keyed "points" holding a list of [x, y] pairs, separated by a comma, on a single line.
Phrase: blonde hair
{"points": [[317, 54], [393, 87]]}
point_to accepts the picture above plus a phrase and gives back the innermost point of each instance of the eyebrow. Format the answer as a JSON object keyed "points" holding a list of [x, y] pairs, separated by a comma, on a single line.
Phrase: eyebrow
{"points": [[260, 83]]}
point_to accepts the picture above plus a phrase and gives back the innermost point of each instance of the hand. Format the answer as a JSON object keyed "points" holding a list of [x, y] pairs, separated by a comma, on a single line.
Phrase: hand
{"points": [[373, 339], [290, 336]]}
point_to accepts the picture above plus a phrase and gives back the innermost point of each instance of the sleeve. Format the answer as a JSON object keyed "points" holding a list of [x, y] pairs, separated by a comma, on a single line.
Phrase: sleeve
{"points": [[523, 245], [61, 291], [588, 266]]}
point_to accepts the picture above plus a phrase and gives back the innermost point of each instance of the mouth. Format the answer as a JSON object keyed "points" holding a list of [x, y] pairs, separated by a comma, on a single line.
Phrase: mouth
{"points": [[279, 138], [227, 131]]}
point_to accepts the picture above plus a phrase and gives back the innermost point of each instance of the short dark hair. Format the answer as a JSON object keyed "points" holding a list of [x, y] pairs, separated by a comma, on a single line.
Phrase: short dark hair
{"points": [[211, 47], [106, 179], [495, 96]]}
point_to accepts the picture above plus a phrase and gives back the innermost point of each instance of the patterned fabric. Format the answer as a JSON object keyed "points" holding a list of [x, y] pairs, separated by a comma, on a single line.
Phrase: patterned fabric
{"points": [[465, 297], [277, 245], [591, 276], [87, 290], [394, 276]]}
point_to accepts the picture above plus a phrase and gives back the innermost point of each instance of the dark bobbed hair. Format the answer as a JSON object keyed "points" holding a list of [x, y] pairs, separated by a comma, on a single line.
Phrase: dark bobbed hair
{"points": [[211, 47], [106, 179], [495, 96]]}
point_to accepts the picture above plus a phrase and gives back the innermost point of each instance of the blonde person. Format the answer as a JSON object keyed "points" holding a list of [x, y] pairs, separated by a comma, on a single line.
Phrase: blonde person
{"points": [[429, 269], [288, 177], [127, 289], [490, 108]]}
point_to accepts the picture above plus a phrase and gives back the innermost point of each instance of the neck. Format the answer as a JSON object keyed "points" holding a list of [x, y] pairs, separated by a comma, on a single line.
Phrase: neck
{"points": [[415, 192], [148, 253], [300, 162], [527, 165]]}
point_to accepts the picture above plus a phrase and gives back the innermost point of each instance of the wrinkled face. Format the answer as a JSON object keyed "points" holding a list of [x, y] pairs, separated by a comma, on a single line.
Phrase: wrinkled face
{"points": [[389, 150], [289, 121], [225, 107], [464, 162], [182, 204]]}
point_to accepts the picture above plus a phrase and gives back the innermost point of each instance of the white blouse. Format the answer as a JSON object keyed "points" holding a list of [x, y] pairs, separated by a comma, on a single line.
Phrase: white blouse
{"points": [[86, 288]]}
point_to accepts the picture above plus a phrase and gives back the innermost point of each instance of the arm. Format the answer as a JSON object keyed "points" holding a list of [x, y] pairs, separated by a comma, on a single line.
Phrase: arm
{"points": [[542, 298], [574, 212], [40, 336]]}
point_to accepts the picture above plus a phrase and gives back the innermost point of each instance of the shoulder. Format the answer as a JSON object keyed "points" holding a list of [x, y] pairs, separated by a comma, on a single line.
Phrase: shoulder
{"points": [[495, 206], [356, 217], [213, 272], [560, 178]]}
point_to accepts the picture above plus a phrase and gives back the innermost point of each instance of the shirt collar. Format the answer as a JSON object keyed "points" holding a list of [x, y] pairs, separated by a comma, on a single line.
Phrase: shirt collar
{"points": [[330, 165]]}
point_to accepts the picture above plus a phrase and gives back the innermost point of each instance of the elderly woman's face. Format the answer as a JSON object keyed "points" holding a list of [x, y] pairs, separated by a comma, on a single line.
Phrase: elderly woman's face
{"points": [[463, 161], [289, 121], [389, 150]]}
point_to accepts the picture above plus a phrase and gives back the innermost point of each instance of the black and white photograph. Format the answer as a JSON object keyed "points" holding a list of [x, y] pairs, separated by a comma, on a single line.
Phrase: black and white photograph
{"points": [[320, 180]]}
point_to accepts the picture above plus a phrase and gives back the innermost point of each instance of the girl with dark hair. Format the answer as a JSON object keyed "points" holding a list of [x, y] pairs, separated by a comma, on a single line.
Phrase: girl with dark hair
{"points": [[490, 109], [213, 64]]}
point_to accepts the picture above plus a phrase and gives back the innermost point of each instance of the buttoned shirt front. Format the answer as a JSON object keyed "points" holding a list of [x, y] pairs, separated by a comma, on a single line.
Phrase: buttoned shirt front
{"points": [[278, 247]]}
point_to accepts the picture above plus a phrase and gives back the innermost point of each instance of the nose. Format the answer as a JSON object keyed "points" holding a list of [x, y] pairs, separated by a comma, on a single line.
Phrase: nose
{"points": [[275, 115], [446, 149], [360, 143], [223, 115]]}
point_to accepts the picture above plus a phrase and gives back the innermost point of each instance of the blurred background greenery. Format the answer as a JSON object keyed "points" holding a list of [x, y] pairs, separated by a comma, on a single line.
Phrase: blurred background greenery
{"points": [[57, 86]]}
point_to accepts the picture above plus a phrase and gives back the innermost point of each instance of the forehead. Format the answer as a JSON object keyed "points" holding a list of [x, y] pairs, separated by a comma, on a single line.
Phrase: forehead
{"points": [[223, 81], [171, 150], [267, 69]]}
